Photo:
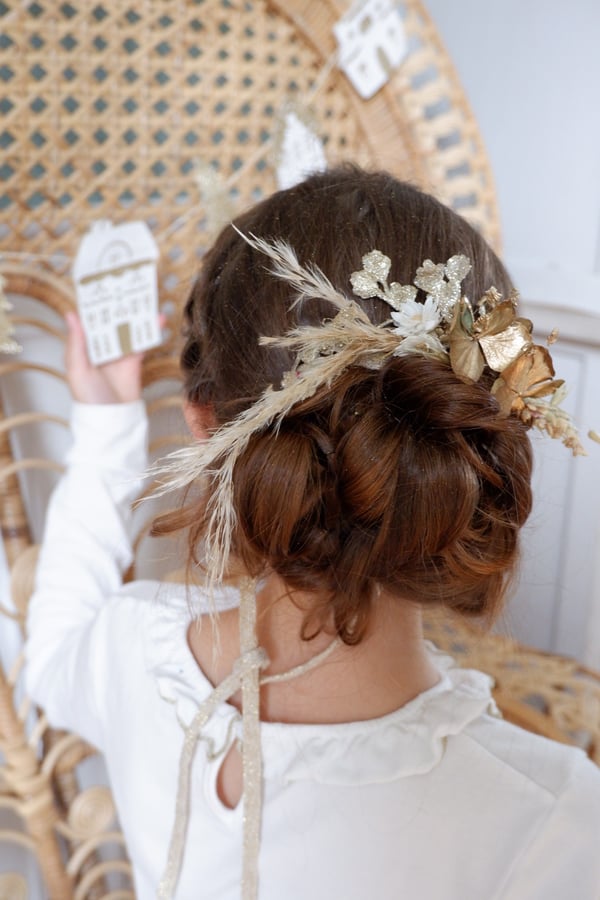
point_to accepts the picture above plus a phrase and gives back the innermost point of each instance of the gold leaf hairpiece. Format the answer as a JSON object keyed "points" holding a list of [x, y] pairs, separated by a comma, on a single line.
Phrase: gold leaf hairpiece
{"points": [[445, 326], [490, 334], [471, 338]]}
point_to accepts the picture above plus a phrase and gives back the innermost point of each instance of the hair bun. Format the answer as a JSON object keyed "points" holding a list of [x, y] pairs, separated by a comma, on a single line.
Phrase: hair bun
{"points": [[428, 395], [404, 477]]}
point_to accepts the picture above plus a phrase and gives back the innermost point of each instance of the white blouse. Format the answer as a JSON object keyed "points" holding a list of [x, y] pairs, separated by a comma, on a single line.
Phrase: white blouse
{"points": [[440, 800]]}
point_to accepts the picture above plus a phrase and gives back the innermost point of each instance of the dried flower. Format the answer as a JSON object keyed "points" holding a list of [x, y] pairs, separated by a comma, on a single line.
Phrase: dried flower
{"points": [[7, 342], [415, 318]]}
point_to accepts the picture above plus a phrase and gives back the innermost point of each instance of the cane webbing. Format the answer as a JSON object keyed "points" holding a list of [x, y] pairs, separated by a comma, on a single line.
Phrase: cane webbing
{"points": [[109, 110]]}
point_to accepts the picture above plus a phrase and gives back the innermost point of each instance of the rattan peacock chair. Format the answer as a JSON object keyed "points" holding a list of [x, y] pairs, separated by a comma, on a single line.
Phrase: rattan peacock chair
{"points": [[172, 113]]}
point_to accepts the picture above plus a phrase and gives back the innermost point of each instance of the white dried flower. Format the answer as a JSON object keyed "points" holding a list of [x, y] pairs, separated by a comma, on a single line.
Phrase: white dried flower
{"points": [[417, 318]]}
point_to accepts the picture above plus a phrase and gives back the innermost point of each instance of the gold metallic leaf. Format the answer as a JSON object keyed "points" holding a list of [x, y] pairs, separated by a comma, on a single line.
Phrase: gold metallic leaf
{"points": [[501, 349], [466, 358], [489, 300], [529, 375], [505, 397], [497, 320], [526, 323]]}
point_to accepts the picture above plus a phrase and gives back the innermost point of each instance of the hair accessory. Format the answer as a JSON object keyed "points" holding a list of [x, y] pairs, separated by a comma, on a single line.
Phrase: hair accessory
{"points": [[489, 334], [471, 338]]}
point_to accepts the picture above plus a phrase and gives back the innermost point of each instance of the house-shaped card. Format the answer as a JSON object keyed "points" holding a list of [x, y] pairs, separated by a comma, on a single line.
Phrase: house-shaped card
{"points": [[372, 43], [115, 281]]}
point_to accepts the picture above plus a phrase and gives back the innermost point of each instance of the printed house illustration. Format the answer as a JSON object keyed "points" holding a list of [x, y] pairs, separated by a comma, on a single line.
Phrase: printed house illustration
{"points": [[372, 43], [115, 280]]}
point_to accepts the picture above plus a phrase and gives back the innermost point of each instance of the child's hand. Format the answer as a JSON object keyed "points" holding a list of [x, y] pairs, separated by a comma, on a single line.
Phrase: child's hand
{"points": [[119, 381]]}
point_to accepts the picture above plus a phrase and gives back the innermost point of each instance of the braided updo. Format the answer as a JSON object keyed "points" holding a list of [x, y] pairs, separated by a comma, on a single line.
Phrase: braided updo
{"points": [[405, 477]]}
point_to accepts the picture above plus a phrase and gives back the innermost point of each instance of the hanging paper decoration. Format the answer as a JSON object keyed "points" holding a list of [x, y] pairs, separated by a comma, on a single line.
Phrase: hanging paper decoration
{"points": [[298, 148], [372, 43], [115, 280]]}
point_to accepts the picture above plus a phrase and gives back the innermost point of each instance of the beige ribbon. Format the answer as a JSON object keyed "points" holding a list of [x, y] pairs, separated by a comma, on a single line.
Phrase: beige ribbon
{"points": [[245, 674]]}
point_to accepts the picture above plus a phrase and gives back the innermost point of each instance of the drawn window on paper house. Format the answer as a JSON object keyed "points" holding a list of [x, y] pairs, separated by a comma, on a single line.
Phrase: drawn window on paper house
{"points": [[372, 43], [115, 280]]}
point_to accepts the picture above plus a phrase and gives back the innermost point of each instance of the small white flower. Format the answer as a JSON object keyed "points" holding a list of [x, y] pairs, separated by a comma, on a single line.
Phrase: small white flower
{"points": [[416, 318], [427, 344]]}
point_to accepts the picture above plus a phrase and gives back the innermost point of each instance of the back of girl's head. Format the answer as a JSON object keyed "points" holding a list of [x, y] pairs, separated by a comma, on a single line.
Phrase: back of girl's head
{"points": [[404, 478]]}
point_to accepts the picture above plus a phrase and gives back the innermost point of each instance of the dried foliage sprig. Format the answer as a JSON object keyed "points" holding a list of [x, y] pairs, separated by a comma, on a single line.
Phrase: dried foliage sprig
{"points": [[8, 344]]}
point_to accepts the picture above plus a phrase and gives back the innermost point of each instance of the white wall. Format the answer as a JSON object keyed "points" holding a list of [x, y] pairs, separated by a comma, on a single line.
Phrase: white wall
{"points": [[531, 70]]}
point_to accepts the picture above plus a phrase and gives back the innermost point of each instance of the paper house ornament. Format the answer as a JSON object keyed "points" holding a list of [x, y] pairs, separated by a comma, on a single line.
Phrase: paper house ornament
{"points": [[115, 281], [372, 43], [300, 153]]}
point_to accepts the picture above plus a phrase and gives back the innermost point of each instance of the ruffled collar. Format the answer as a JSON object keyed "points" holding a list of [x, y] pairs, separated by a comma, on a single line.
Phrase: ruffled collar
{"points": [[408, 741]]}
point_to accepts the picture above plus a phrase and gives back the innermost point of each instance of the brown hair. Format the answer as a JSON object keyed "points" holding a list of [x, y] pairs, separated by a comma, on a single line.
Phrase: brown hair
{"points": [[406, 477]]}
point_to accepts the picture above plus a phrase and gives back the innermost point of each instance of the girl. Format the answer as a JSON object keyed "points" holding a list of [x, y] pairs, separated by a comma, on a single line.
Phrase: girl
{"points": [[282, 729]]}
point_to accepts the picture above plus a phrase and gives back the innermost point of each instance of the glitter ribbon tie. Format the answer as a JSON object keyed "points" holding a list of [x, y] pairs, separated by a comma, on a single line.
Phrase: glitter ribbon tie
{"points": [[245, 675]]}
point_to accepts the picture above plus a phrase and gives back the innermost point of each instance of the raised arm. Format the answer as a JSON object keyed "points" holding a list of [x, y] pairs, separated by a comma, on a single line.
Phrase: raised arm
{"points": [[87, 541]]}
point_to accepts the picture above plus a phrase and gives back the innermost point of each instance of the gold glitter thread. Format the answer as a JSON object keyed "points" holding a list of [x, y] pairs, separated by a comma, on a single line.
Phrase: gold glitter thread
{"points": [[250, 661], [251, 750], [245, 675], [303, 667]]}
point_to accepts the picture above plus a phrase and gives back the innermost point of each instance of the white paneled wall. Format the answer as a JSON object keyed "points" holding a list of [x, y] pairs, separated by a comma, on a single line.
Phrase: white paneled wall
{"points": [[531, 70]]}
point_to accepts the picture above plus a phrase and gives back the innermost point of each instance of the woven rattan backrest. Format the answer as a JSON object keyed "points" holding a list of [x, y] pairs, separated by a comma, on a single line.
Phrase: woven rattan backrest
{"points": [[47, 779], [108, 107], [544, 693], [111, 109]]}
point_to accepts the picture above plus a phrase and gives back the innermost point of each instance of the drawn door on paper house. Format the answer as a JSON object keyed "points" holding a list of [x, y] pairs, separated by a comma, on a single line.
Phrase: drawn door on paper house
{"points": [[124, 335]]}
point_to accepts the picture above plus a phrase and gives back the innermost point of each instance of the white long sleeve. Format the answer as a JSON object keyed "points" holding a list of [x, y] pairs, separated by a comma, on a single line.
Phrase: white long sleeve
{"points": [[85, 551]]}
